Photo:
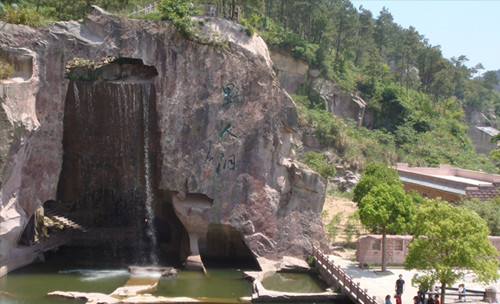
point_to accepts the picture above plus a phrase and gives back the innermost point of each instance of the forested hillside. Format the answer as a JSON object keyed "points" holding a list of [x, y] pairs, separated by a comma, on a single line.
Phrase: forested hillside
{"points": [[419, 99]]}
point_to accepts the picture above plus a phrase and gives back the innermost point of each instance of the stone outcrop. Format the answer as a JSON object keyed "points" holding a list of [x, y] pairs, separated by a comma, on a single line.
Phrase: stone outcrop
{"points": [[291, 71], [339, 103], [210, 121], [344, 180]]}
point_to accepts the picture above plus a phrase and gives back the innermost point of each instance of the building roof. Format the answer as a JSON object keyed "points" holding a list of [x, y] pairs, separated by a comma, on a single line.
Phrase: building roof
{"points": [[458, 181], [489, 130], [434, 184]]}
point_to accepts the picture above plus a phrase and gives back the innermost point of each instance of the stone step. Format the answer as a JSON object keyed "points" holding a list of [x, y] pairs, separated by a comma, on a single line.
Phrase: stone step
{"points": [[58, 216]]}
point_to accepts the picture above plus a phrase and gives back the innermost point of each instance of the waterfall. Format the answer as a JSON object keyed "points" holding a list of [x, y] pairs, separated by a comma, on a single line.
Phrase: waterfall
{"points": [[150, 228], [110, 143]]}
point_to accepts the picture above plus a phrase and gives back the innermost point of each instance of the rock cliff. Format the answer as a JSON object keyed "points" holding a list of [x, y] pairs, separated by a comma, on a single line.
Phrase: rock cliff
{"points": [[205, 130]]}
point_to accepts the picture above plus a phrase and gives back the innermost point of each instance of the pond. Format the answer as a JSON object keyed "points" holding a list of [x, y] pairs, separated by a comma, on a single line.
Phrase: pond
{"points": [[32, 283], [294, 282]]}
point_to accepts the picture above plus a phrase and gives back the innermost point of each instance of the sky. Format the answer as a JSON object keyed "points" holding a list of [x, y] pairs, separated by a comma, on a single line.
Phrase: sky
{"points": [[460, 27]]}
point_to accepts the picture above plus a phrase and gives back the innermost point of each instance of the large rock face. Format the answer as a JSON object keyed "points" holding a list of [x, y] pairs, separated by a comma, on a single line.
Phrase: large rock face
{"points": [[211, 121], [291, 72]]}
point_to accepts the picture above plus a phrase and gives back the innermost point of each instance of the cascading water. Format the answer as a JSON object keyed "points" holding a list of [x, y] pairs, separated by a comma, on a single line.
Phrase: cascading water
{"points": [[110, 147], [151, 231]]}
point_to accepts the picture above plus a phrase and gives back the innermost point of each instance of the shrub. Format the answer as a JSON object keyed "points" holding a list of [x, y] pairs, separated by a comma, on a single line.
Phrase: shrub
{"points": [[332, 228], [247, 27], [311, 261], [317, 162], [488, 211], [352, 228], [175, 9], [21, 15], [6, 67], [179, 12]]}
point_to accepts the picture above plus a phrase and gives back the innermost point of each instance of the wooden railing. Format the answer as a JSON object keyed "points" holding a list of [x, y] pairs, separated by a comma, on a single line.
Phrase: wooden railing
{"points": [[347, 286], [211, 10], [208, 10], [147, 9]]}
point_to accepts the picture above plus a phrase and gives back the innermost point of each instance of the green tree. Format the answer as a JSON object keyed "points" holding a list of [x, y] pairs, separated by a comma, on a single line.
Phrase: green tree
{"points": [[488, 211], [448, 238], [375, 174], [386, 208], [384, 31]]}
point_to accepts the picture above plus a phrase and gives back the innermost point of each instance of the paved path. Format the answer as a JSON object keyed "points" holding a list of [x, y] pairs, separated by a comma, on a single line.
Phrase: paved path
{"points": [[381, 285]]}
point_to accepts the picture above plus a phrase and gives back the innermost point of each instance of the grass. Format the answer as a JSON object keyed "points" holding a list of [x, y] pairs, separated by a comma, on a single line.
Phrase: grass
{"points": [[342, 194]]}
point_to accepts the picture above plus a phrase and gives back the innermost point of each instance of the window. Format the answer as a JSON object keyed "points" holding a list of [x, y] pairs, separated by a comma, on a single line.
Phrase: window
{"points": [[376, 245], [399, 245]]}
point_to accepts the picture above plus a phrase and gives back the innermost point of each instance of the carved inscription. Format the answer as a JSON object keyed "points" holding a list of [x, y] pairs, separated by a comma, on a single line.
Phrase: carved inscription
{"points": [[222, 160]]}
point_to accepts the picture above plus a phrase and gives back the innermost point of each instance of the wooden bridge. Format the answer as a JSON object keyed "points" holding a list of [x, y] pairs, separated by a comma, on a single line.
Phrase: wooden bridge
{"points": [[334, 275]]}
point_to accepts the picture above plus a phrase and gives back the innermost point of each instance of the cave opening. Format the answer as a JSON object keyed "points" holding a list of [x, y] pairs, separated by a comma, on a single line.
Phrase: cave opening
{"points": [[224, 247]]}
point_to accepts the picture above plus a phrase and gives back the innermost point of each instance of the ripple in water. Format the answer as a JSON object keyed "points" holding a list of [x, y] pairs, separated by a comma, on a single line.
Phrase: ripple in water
{"points": [[89, 275]]}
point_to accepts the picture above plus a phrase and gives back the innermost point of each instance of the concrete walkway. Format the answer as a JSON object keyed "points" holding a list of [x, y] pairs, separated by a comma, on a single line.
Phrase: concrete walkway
{"points": [[380, 285]]}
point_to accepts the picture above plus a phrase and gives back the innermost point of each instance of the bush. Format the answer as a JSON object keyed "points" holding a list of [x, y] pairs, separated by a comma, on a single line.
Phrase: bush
{"points": [[179, 12], [21, 15], [317, 162], [175, 9], [352, 227], [247, 27], [332, 228], [6, 67], [311, 261], [488, 211]]}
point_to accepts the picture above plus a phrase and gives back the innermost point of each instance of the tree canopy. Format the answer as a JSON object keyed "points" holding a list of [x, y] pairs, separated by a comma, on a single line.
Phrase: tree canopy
{"points": [[386, 208], [375, 174], [448, 238]]}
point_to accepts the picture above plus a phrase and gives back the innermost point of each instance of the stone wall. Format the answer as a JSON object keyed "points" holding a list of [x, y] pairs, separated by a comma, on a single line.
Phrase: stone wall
{"points": [[369, 251]]}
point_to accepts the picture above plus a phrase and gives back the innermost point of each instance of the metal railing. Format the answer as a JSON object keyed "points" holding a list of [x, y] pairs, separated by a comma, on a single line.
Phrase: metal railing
{"points": [[347, 286]]}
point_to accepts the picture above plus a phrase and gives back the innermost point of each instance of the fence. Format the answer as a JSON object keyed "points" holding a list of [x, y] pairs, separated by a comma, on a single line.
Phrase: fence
{"points": [[331, 272], [147, 9], [208, 10]]}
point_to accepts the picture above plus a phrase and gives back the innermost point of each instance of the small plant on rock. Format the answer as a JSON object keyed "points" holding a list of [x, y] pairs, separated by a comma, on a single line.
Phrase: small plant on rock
{"points": [[311, 261], [317, 162], [6, 67], [179, 12]]}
